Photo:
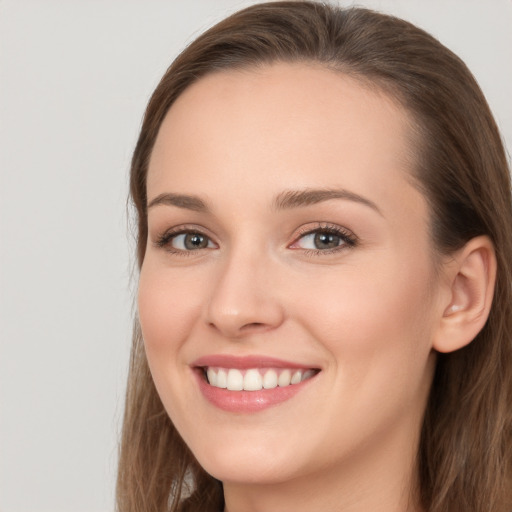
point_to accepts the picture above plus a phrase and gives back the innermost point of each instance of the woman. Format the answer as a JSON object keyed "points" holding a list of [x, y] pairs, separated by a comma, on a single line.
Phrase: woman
{"points": [[324, 245]]}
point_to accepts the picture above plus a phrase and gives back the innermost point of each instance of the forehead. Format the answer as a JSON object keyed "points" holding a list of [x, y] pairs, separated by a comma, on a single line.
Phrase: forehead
{"points": [[295, 121]]}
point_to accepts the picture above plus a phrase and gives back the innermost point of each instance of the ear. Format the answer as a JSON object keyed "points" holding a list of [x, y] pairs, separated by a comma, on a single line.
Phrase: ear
{"points": [[471, 277]]}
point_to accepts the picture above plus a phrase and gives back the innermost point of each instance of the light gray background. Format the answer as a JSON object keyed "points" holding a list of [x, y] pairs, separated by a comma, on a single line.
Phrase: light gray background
{"points": [[74, 80]]}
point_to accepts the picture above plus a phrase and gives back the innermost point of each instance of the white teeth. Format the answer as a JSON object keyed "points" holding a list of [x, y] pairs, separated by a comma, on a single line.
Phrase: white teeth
{"points": [[253, 379], [235, 381], [296, 377], [285, 378], [270, 379], [212, 376], [222, 379], [308, 374]]}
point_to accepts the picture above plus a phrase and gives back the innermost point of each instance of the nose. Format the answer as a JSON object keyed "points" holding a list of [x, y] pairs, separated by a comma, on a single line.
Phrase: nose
{"points": [[244, 298]]}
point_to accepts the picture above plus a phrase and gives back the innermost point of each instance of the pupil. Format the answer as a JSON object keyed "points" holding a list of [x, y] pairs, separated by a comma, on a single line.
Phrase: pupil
{"points": [[326, 241], [195, 241]]}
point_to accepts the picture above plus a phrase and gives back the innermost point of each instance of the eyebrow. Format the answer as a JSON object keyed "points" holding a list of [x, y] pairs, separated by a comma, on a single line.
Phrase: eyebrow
{"points": [[187, 202], [297, 198], [285, 200]]}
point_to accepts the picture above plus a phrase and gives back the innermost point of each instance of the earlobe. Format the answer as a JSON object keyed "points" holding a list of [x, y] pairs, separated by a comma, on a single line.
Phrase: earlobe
{"points": [[472, 275]]}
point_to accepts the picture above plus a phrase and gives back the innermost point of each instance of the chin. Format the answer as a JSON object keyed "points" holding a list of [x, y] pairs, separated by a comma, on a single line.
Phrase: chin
{"points": [[249, 465]]}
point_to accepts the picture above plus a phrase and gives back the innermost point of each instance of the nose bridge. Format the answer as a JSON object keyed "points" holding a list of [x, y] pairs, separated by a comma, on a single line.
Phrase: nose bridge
{"points": [[242, 299]]}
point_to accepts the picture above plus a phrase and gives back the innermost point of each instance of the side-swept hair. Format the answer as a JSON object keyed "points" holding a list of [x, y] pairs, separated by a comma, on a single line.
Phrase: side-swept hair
{"points": [[465, 451]]}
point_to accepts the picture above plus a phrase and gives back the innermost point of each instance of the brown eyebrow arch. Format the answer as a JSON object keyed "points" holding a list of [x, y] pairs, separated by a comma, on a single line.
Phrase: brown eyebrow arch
{"points": [[193, 203], [298, 198], [285, 200]]}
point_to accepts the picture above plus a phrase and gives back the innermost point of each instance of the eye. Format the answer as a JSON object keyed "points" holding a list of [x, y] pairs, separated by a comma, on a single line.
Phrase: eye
{"points": [[325, 239], [190, 241], [185, 241]]}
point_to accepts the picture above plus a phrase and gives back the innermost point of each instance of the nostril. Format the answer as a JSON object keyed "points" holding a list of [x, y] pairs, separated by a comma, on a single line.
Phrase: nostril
{"points": [[257, 326], [243, 330], [238, 332]]}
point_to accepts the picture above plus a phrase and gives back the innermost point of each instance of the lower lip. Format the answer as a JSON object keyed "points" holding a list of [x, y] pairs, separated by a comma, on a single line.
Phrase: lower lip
{"points": [[247, 401]]}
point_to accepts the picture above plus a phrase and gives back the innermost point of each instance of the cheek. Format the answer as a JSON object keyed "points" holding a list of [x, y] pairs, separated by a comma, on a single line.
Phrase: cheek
{"points": [[167, 308], [380, 316], [379, 337]]}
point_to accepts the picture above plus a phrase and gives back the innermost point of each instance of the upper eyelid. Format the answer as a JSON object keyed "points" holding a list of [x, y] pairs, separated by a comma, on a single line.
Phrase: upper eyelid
{"points": [[186, 228], [324, 226], [349, 238], [164, 238]]}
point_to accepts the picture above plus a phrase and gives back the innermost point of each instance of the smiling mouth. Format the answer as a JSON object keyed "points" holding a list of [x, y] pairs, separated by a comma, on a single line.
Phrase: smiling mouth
{"points": [[256, 379]]}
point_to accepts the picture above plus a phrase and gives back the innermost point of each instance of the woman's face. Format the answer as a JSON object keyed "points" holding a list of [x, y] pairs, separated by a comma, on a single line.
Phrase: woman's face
{"points": [[289, 255]]}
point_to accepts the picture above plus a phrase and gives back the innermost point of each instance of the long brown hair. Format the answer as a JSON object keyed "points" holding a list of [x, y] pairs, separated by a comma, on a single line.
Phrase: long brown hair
{"points": [[465, 450]]}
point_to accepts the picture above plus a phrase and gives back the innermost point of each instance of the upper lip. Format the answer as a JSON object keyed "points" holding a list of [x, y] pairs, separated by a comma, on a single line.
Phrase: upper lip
{"points": [[246, 362]]}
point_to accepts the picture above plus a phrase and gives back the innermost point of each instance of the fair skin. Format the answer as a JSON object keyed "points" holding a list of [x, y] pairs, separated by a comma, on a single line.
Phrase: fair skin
{"points": [[342, 283]]}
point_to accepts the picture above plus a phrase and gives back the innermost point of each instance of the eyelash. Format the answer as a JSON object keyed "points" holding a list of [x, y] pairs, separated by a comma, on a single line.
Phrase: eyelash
{"points": [[164, 240], [347, 238]]}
